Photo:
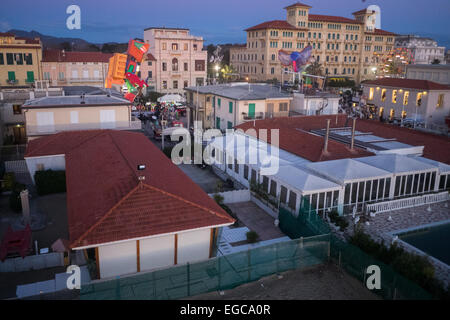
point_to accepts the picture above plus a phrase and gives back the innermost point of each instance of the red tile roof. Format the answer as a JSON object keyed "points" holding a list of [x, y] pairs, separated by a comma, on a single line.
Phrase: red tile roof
{"points": [[274, 24], [435, 147], [320, 17], [106, 202], [381, 32], [6, 34], [298, 4], [75, 56], [295, 139], [408, 83], [150, 57], [362, 11]]}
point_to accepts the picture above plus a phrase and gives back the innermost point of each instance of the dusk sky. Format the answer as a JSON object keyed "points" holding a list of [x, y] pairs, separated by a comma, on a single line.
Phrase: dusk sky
{"points": [[217, 21]]}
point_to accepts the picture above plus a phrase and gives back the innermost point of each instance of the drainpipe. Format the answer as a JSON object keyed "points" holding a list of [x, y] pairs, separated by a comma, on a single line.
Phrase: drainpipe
{"points": [[325, 147], [353, 134]]}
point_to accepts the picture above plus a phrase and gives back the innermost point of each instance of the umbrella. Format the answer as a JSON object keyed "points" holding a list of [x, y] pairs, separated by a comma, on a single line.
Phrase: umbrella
{"points": [[61, 245]]}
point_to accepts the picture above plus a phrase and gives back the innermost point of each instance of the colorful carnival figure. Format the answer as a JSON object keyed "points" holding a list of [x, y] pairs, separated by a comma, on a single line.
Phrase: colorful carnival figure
{"points": [[298, 60]]}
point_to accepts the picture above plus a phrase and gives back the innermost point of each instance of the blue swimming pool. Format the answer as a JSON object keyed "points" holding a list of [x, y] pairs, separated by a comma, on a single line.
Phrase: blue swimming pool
{"points": [[434, 241]]}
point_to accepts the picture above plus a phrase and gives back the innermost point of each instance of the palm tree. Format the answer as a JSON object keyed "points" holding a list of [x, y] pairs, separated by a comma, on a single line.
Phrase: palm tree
{"points": [[227, 72], [315, 69]]}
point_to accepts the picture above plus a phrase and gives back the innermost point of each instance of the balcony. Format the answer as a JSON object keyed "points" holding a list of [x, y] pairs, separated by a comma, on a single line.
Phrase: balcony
{"points": [[12, 81], [85, 80], [29, 80], [36, 130], [265, 115]]}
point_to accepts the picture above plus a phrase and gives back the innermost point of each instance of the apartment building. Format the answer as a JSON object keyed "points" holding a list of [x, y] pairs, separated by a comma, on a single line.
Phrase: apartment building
{"points": [[147, 71], [49, 115], [419, 100], [346, 47], [225, 106], [78, 68], [439, 73], [20, 60], [180, 59], [423, 50]]}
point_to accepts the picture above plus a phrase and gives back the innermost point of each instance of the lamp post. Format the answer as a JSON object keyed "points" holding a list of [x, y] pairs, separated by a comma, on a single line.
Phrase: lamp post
{"points": [[217, 67]]}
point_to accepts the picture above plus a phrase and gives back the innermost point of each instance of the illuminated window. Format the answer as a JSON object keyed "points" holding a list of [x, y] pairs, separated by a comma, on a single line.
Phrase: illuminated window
{"points": [[164, 46], [392, 114], [440, 102], [419, 99], [371, 94], [381, 112], [403, 114], [394, 96], [383, 95], [406, 98]]}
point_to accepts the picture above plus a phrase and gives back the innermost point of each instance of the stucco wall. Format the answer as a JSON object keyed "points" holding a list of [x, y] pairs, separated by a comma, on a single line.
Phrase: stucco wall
{"points": [[56, 162], [157, 252], [117, 259], [193, 245]]}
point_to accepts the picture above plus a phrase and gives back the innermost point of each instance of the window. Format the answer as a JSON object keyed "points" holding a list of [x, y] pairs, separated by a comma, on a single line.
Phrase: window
{"points": [[283, 106], [440, 102], [230, 107], [292, 200], [371, 93], [175, 84], [30, 76], [175, 46], [19, 58], [195, 47], [174, 64], [219, 101], [185, 47], [419, 99], [17, 109], [164, 66], [185, 84], [199, 65], [185, 66], [406, 98], [149, 63], [283, 194], [11, 76], [272, 70], [246, 171], [383, 95], [9, 59], [164, 46], [2, 61], [46, 75], [164, 84], [394, 96]]}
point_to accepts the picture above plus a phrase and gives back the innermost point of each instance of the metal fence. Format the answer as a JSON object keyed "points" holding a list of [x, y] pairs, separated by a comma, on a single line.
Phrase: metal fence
{"points": [[12, 152]]}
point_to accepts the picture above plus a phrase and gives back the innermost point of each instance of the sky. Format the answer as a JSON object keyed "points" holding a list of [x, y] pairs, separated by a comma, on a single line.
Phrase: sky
{"points": [[216, 21]]}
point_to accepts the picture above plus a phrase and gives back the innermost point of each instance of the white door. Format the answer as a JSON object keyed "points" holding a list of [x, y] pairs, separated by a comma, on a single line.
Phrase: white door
{"points": [[107, 119], [45, 122], [74, 74], [74, 120]]}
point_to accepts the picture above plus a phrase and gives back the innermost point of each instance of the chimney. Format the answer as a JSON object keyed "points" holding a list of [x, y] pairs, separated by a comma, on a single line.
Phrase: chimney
{"points": [[25, 207], [353, 134], [325, 147]]}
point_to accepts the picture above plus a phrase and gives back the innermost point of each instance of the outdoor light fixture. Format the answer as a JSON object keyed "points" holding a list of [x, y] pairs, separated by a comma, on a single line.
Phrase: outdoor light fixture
{"points": [[141, 167]]}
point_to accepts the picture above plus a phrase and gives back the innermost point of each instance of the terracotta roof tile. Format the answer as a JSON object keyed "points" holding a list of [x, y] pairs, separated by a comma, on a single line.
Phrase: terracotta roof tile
{"points": [[75, 56], [325, 18], [298, 4], [274, 24], [105, 202], [408, 83]]}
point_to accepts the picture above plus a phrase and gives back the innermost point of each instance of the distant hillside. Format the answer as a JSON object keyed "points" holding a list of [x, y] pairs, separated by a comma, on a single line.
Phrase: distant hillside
{"points": [[70, 44]]}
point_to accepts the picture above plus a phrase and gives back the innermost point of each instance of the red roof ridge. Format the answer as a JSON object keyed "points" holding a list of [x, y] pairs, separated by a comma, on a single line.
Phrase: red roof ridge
{"points": [[129, 194]]}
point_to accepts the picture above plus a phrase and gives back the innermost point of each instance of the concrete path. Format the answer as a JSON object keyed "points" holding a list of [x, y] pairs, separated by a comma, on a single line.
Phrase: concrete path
{"points": [[256, 220]]}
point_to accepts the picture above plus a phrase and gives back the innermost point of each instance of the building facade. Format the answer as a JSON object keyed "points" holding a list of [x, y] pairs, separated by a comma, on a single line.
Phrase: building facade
{"points": [[228, 105], [147, 71], [20, 60], [51, 115], [180, 59], [63, 68], [345, 47], [423, 50], [439, 73], [419, 100]]}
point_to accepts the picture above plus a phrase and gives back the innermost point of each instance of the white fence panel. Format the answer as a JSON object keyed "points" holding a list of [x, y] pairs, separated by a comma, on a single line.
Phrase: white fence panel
{"points": [[407, 202], [36, 262], [234, 196]]}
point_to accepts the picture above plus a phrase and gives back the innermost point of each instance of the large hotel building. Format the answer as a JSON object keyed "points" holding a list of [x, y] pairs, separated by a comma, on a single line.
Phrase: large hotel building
{"points": [[344, 47]]}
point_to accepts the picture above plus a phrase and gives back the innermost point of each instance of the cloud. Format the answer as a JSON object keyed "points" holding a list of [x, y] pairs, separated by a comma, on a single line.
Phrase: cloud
{"points": [[4, 26]]}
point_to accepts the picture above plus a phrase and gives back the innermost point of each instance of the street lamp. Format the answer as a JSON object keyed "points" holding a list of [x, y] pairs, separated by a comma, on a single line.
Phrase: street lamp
{"points": [[217, 67]]}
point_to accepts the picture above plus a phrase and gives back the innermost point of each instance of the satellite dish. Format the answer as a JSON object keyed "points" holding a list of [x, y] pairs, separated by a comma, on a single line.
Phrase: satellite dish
{"points": [[377, 15]]}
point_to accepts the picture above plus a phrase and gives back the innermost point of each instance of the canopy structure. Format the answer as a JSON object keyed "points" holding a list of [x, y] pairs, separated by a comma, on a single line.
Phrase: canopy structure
{"points": [[16, 242], [442, 167], [397, 164], [347, 170], [304, 181], [171, 98]]}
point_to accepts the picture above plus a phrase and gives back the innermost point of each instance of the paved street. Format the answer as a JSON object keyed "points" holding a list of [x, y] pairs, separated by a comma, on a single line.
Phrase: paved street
{"points": [[205, 178]]}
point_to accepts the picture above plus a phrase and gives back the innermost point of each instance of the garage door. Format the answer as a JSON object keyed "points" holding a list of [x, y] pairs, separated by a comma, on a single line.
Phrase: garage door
{"points": [[117, 259], [107, 119], [45, 122]]}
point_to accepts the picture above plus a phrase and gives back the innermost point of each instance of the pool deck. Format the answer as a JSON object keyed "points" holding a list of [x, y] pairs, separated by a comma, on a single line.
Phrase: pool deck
{"points": [[382, 227]]}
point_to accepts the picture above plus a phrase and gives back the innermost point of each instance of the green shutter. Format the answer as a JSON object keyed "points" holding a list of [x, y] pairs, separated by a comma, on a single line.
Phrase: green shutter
{"points": [[30, 76], [230, 107], [11, 75], [217, 123], [218, 102], [229, 125], [251, 110]]}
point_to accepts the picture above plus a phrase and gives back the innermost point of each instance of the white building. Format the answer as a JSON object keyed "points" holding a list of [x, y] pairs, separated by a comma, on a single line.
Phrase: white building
{"points": [[420, 100], [129, 219], [439, 73], [423, 50]]}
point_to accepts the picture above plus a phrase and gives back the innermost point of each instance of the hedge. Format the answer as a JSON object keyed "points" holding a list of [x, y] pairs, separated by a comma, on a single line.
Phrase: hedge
{"points": [[50, 181]]}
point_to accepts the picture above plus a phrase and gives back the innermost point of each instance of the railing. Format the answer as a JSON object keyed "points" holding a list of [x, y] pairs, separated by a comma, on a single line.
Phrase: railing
{"points": [[51, 129], [407, 202], [12, 152], [84, 79]]}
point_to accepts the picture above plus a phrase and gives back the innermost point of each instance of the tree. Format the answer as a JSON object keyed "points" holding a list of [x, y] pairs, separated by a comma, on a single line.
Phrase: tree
{"points": [[436, 61], [93, 47], [315, 69], [227, 72], [65, 46]]}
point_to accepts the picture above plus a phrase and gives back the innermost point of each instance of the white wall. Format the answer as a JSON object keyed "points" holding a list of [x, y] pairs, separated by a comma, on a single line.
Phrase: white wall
{"points": [[57, 162], [117, 259], [156, 252], [193, 246]]}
